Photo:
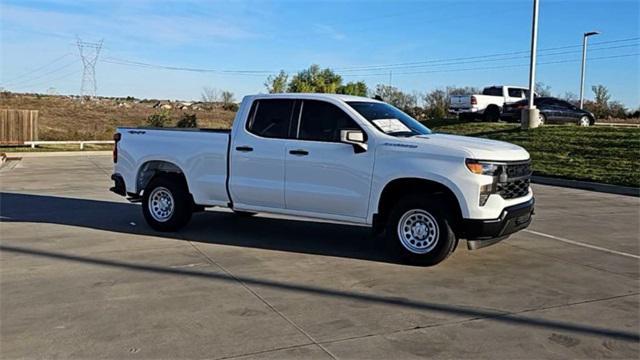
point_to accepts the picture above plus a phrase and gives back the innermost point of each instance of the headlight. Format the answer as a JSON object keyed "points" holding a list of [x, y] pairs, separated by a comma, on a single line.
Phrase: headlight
{"points": [[482, 167]]}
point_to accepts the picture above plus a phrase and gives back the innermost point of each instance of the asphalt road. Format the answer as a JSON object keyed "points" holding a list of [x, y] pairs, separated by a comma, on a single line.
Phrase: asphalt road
{"points": [[82, 276]]}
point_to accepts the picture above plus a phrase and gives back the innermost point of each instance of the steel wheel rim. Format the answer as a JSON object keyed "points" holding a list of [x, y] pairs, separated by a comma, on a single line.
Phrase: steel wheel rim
{"points": [[161, 204], [418, 231], [541, 119], [584, 121]]}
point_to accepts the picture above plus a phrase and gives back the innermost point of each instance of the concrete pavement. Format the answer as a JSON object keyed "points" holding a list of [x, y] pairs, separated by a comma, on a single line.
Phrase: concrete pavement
{"points": [[82, 276]]}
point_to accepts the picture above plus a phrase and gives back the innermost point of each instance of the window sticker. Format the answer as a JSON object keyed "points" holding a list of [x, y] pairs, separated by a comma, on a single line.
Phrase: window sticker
{"points": [[391, 125]]}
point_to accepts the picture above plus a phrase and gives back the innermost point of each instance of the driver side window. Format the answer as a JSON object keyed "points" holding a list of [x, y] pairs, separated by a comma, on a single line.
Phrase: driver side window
{"points": [[322, 121]]}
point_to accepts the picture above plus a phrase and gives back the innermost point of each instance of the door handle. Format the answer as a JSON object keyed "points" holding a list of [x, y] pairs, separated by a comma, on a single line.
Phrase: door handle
{"points": [[244, 148], [299, 152]]}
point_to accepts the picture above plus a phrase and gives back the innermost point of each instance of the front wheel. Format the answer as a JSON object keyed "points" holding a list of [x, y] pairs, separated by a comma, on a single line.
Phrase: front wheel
{"points": [[584, 121], [166, 203], [419, 231]]}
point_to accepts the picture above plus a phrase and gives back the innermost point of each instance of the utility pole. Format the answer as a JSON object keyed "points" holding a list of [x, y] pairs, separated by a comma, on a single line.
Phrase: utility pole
{"points": [[89, 52], [390, 76], [530, 116], [584, 62]]}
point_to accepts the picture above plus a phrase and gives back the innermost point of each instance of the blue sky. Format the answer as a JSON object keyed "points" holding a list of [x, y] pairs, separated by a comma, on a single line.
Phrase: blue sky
{"points": [[444, 42]]}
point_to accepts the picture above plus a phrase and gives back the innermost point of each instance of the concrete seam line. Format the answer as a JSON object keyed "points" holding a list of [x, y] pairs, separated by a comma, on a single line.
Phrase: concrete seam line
{"points": [[479, 318], [264, 351], [301, 330], [573, 242]]}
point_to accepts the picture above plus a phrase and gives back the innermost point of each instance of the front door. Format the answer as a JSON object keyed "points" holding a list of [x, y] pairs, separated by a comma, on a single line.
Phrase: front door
{"points": [[323, 175]]}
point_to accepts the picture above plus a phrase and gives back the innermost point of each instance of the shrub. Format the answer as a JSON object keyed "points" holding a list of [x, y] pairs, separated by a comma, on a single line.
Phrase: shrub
{"points": [[159, 119], [187, 121]]}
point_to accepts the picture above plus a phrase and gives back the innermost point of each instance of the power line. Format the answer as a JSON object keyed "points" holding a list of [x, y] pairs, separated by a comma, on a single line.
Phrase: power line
{"points": [[406, 65], [20, 77], [485, 56], [488, 60], [58, 69], [494, 67], [50, 81]]}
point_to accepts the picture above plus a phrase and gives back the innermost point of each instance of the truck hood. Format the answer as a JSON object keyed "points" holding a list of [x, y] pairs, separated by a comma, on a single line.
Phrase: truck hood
{"points": [[476, 148]]}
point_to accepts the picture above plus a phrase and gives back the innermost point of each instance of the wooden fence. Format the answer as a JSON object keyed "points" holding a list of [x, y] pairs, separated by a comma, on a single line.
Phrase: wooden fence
{"points": [[18, 126]]}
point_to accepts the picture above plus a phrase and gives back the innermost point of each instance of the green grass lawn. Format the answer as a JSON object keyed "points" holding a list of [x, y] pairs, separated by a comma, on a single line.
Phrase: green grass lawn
{"points": [[601, 154]]}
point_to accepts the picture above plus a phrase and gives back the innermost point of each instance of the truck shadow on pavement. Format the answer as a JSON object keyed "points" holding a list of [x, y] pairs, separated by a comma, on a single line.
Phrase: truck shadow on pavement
{"points": [[214, 227], [228, 229]]}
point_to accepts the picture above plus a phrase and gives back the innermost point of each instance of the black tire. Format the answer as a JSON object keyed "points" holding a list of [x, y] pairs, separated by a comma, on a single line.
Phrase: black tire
{"points": [[243, 213], [444, 244], [182, 203], [492, 113]]}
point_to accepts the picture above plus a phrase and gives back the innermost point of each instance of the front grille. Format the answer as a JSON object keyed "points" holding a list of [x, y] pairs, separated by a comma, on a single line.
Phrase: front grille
{"points": [[518, 180], [513, 189], [518, 170]]}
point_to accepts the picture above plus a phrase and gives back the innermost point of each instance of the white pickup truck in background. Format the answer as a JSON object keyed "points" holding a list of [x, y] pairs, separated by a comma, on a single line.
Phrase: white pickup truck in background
{"points": [[488, 105], [332, 157]]}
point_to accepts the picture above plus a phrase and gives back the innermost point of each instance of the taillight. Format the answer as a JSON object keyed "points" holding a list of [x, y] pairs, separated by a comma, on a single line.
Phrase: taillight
{"points": [[116, 139], [474, 101]]}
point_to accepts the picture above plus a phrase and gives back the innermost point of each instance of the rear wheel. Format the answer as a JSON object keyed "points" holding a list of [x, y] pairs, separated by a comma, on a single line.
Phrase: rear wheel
{"points": [[584, 121], [492, 113], [419, 232], [542, 119], [166, 203]]}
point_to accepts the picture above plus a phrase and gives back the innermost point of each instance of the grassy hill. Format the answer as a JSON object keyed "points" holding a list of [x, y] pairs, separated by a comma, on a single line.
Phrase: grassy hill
{"points": [[65, 118]]}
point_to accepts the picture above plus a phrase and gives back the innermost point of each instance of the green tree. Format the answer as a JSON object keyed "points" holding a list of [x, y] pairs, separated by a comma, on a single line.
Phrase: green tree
{"points": [[159, 119], [354, 88], [187, 121], [437, 104], [315, 80], [396, 97], [277, 83]]}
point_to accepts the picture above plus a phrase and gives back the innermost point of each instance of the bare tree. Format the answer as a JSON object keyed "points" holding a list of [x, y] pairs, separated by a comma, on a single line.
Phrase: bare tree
{"points": [[210, 95], [227, 97]]}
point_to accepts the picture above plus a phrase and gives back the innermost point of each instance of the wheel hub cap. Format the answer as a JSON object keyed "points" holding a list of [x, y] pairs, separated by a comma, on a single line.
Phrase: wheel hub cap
{"points": [[161, 204], [418, 231]]}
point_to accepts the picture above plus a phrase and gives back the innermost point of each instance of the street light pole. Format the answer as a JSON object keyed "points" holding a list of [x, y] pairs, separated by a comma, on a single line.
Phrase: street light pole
{"points": [[584, 63], [529, 118]]}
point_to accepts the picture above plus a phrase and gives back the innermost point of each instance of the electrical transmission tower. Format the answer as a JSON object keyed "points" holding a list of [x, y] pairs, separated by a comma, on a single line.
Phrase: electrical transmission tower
{"points": [[89, 52]]}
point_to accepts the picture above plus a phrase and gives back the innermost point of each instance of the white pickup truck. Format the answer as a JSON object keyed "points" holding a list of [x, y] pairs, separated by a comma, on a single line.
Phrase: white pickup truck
{"points": [[332, 157], [488, 105]]}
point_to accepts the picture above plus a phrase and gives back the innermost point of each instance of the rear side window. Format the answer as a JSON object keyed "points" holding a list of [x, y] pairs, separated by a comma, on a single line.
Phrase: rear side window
{"points": [[322, 121], [517, 93], [271, 118], [493, 91]]}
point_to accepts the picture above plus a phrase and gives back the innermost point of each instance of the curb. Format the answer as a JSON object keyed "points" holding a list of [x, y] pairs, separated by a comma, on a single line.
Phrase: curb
{"points": [[587, 185], [28, 154]]}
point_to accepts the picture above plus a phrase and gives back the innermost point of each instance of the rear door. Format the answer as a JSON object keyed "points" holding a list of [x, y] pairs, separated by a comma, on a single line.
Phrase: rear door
{"points": [[323, 175], [256, 174]]}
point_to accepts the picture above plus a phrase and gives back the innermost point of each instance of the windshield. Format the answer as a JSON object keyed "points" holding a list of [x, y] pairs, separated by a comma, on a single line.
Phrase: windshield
{"points": [[389, 119]]}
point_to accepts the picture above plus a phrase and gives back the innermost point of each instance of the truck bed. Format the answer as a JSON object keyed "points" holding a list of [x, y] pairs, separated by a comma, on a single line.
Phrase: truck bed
{"points": [[201, 154]]}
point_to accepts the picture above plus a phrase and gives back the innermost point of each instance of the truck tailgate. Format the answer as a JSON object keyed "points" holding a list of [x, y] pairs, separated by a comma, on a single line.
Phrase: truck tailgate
{"points": [[460, 102]]}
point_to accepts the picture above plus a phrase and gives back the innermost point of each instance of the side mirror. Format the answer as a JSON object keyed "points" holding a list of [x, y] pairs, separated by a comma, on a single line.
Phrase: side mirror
{"points": [[355, 138]]}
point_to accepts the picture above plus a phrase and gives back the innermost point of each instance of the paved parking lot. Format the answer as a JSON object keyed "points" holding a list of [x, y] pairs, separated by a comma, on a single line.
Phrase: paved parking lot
{"points": [[82, 276]]}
